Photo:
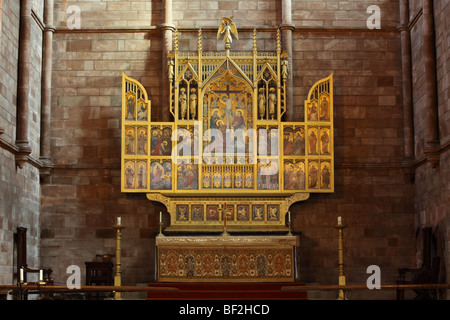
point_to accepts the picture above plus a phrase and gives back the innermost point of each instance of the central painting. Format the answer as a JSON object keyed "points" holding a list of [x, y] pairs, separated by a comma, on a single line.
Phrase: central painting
{"points": [[228, 157]]}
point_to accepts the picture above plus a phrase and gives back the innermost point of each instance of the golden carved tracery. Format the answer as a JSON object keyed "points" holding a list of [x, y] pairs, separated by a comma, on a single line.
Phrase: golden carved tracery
{"points": [[228, 142]]}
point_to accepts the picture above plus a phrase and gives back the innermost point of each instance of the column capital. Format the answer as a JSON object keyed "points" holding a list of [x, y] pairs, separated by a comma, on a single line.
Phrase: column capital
{"points": [[167, 26], [50, 28], [403, 27], [287, 26], [23, 151]]}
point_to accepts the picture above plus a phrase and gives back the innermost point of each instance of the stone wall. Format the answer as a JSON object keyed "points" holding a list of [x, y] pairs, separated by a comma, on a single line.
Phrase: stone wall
{"points": [[370, 193], [70, 215], [19, 188], [82, 197], [432, 185]]}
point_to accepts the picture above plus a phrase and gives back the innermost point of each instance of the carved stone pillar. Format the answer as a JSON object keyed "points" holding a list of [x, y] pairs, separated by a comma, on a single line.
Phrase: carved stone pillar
{"points": [[286, 34], [23, 89], [408, 120], [167, 30], [46, 95], [429, 48]]}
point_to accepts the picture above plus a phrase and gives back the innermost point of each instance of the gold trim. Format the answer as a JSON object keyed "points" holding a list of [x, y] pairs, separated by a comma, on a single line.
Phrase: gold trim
{"points": [[259, 78]]}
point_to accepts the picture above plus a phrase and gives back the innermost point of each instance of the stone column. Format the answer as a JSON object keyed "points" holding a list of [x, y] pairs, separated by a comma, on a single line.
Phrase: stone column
{"points": [[2, 130], [286, 37], [23, 90], [429, 48], [46, 88], [408, 120], [167, 30]]}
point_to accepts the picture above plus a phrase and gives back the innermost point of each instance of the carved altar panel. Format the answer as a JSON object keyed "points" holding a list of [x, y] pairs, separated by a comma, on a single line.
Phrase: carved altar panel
{"points": [[226, 259], [228, 141]]}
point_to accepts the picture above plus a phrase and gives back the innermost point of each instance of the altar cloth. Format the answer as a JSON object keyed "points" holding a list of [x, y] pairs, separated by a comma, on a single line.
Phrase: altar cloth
{"points": [[226, 259]]}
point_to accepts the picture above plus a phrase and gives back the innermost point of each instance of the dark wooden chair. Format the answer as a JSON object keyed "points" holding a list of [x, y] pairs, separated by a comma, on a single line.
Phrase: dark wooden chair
{"points": [[424, 275], [21, 241], [99, 274], [427, 274], [21, 246]]}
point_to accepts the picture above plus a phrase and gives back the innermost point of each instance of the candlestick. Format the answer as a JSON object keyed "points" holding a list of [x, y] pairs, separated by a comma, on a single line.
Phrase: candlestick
{"points": [[342, 281], [118, 276], [160, 225]]}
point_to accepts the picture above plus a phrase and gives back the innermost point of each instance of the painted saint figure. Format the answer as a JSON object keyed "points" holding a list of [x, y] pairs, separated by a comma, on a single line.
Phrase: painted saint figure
{"points": [[324, 109], [238, 121], [312, 143], [313, 112], [325, 139], [142, 177], [142, 142], [299, 143], [325, 177], [130, 108], [129, 143], [129, 176], [142, 112], [313, 177]]}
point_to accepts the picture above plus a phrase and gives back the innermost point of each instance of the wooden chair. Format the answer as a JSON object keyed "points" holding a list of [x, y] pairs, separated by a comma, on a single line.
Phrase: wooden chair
{"points": [[21, 240], [427, 274], [420, 276]]}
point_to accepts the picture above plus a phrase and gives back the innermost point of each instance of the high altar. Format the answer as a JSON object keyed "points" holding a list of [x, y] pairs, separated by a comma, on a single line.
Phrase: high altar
{"points": [[227, 161]]}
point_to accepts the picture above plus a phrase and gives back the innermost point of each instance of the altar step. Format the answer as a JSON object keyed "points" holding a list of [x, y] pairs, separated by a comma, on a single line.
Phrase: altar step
{"points": [[227, 291]]}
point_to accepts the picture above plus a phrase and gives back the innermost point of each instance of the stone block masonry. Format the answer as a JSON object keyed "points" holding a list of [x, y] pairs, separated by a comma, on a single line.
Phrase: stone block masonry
{"points": [[70, 215]]}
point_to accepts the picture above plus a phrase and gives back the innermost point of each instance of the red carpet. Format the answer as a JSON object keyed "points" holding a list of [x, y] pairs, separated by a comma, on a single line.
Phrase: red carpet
{"points": [[227, 291]]}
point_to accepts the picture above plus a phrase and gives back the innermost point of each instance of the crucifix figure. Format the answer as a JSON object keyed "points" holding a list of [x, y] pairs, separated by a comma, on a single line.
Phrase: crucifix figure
{"points": [[228, 104]]}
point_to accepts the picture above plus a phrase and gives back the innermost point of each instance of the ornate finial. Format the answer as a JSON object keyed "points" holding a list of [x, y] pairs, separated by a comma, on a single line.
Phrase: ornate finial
{"points": [[176, 41], [227, 28], [255, 46], [278, 41], [200, 43]]}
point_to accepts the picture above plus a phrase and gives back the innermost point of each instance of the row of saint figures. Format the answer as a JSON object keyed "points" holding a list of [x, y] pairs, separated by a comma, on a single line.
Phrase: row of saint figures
{"points": [[298, 175], [189, 105], [136, 110], [240, 212], [297, 140]]}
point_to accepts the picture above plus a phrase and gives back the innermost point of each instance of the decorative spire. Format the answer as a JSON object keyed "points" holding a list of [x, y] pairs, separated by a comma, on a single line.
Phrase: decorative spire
{"points": [[176, 41], [200, 43], [278, 40], [255, 46]]}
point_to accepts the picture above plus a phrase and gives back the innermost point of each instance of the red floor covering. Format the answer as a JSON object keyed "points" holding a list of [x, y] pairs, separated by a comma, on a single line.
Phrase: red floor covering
{"points": [[227, 291]]}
